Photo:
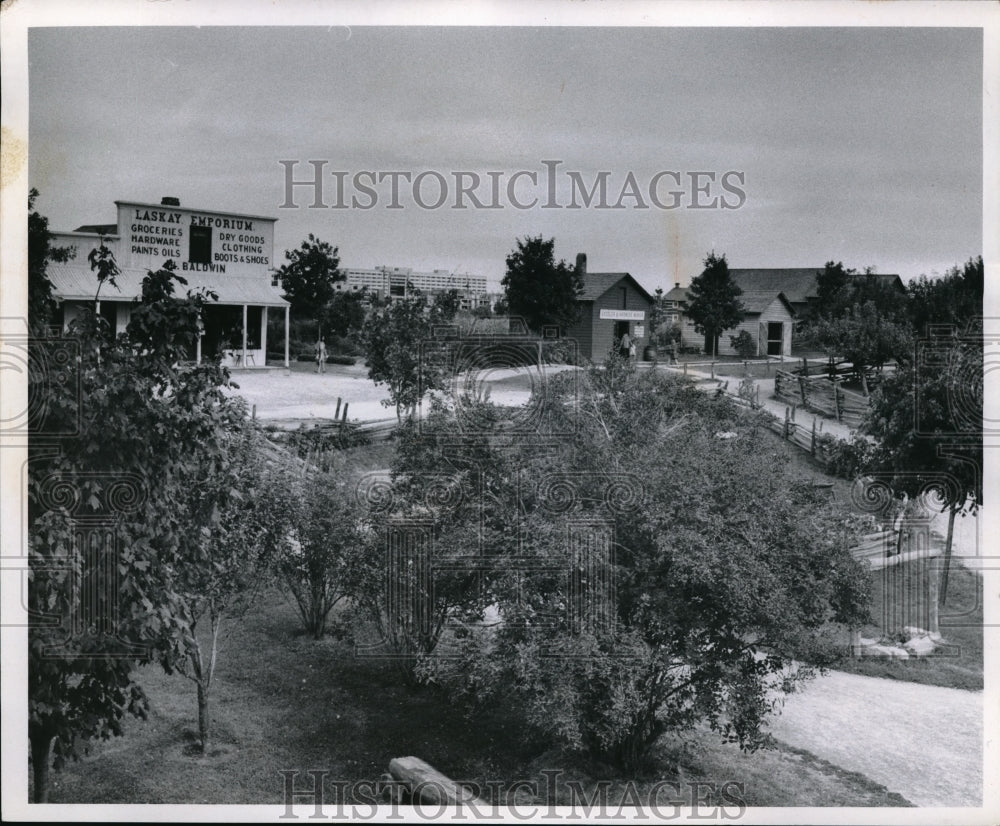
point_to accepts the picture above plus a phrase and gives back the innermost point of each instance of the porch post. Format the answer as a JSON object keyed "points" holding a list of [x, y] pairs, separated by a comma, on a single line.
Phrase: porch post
{"points": [[287, 308], [263, 333], [244, 335], [200, 335]]}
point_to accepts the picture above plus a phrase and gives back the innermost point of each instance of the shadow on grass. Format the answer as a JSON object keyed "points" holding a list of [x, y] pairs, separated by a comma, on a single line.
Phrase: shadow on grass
{"points": [[283, 701]]}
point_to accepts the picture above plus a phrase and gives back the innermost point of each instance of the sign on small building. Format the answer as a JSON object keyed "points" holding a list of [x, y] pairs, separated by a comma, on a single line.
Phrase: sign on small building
{"points": [[623, 315]]}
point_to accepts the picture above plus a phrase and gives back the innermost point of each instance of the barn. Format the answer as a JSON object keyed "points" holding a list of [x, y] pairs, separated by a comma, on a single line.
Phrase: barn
{"points": [[612, 304]]}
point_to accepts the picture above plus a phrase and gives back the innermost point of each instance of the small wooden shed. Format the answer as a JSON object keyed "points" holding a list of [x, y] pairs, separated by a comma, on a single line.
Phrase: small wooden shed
{"points": [[612, 304]]}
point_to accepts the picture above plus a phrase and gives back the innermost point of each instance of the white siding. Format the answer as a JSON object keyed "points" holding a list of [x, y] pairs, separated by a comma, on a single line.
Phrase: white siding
{"points": [[775, 311]]}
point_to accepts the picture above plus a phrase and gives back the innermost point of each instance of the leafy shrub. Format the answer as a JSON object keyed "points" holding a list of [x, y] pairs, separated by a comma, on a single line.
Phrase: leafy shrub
{"points": [[559, 352], [744, 345], [322, 551], [847, 458], [330, 359], [340, 359], [725, 579]]}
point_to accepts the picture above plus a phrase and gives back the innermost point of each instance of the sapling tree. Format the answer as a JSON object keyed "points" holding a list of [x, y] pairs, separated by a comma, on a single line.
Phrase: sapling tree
{"points": [[400, 349], [128, 429], [241, 525], [927, 422]]}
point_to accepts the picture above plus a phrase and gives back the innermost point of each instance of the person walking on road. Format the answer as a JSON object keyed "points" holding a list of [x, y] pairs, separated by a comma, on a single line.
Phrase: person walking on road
{"points": [[320, 356]]}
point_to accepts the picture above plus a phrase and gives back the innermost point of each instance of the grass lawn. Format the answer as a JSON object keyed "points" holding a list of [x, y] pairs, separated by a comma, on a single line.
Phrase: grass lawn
{"points": [[808, 469], [959, 664], [285, 701]]}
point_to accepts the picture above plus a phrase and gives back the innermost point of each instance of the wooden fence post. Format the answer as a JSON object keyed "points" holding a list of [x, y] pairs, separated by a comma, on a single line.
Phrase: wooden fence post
{"points": [[784, 432], [336, 415], [713, 369], [345, 413], [685, 368], [836, 397], [932, 597], [802, 389], [812, 446]]}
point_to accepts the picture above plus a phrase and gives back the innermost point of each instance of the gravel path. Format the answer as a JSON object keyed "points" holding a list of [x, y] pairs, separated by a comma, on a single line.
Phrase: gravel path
{"points": [[924, 742]]}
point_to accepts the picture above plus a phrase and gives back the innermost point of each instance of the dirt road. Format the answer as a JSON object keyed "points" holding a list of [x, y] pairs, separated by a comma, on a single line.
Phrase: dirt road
{"points": [[924, 742]]}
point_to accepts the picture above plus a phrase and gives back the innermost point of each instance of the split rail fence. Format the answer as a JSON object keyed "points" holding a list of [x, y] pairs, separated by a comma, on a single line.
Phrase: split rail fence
{"points": [[822, 395]]}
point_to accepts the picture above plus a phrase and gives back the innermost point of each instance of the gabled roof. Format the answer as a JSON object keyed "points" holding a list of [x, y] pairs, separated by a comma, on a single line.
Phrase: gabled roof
{"points": [[797, 283], [886, 278], [75, 283], [596, 284], [754, 301]]}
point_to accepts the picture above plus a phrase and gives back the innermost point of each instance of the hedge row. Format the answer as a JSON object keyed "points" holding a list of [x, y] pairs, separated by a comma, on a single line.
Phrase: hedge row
{"points": [[334, 358]]}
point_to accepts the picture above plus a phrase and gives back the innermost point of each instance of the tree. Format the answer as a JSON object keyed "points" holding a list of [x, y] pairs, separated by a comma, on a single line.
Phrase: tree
{"points": [[129, 429], [483, 311], [41, 303], [451, 495], [401, 351], [662, 331], [539, 289], [889, 302], [725, 578], [309, 276], [345, 314], [927, 418], [831, 291], [241, 512], [714, 302], [863, 336], [955, 298], [446, 304]]}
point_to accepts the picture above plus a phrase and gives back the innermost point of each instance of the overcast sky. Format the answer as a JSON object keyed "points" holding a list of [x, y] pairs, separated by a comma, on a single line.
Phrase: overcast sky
{"points": [[860, 145]]}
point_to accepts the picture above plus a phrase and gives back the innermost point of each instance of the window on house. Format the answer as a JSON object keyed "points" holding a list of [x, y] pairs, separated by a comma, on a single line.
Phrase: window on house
{"points": [[200, 245]]}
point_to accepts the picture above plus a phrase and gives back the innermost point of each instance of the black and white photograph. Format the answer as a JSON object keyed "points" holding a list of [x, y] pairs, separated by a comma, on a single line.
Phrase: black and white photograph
{"points": [[572, 411]]}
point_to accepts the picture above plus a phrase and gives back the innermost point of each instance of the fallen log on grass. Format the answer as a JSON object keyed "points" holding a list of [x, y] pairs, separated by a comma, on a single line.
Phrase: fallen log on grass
{"points": [[427, 785]]}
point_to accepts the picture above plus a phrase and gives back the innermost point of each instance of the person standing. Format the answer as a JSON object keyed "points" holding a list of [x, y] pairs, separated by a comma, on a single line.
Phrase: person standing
{"points": [[320, 356], [626, 345]]}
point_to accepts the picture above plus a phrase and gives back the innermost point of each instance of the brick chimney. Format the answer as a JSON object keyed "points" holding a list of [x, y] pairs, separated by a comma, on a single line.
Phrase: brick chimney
{"points": [[170, 201], [677, 285], [581, 263]]}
